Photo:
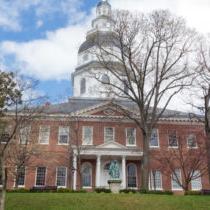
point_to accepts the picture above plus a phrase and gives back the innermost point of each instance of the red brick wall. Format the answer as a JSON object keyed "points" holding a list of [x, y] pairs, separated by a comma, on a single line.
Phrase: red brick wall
{"points": [[53, 155]]}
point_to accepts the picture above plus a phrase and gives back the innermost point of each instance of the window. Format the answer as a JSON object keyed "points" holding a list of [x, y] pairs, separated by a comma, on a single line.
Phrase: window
{"points": [[196, 181], [172, 139], [21, 176], [191, 141], [82, 86], [105, 79], [40, 176], [5, 132], [108, 134], [154, 141], [87, 135], [131, 136], [61, 176], [86, 175], [176, 180], [24, 135], [125, 86], [44, 134], [131, 173], [63, 137], [85, 57], [155, 180]]}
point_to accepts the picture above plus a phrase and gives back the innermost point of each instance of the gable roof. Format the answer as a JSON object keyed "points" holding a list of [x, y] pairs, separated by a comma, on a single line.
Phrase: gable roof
{"points": [[81, 105]]}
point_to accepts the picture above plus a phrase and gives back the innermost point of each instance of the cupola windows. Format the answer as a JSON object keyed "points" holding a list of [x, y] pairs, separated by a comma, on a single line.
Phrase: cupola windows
{"points": [[82, 86]]}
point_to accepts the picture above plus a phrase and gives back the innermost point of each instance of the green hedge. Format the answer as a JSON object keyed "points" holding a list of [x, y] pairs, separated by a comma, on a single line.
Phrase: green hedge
{"points": [[102, 190], [193, 193], [128, 191]]}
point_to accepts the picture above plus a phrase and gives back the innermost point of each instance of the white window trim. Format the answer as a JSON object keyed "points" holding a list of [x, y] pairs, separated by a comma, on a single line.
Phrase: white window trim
{"points": [[161, 181], [136, 176], [105, 134], [59, 135], [156, 147], [200, 179], [40, 134], [28, 135], [91, 180], [176, 189], [83, 142], [173, 147], [126, 132], [20, 186], [65, 177], [45, 177], [196, 147]]}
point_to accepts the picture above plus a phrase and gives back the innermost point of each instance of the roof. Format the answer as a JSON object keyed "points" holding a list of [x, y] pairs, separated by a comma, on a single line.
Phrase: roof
{"points": [[103, 3], [96, 38], [77, 104]]}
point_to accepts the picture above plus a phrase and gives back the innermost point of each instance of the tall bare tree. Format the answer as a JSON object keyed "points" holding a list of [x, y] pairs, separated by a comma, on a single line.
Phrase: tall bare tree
{"points": [[16, 111], [147, 60]]}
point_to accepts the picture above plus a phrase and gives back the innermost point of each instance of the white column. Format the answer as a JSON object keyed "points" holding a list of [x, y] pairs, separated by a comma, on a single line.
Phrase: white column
{"points": [[98, 171], [123, 173], [75, 172]]}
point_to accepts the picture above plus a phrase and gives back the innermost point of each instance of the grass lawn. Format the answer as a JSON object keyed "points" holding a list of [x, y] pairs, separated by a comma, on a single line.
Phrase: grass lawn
{"points": [[94, 201]]}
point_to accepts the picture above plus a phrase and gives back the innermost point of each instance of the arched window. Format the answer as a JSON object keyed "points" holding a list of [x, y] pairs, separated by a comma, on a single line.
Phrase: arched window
{"points": [[86, 175], [131, 175], [82, 86], [105, 79]]}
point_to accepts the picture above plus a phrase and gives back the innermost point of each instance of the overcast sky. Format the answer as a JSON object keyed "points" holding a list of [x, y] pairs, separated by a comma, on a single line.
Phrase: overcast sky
{"points": [[40, 38]]}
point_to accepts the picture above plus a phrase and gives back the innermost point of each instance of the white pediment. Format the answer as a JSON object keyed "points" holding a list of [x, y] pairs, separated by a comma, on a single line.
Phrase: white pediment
{"points": [[111, 145]]}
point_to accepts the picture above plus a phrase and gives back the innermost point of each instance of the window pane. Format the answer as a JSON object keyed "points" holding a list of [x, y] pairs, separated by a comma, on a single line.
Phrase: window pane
{"points": [[63, 135], [176, 179], [109, 134], [196, 181], [61, 176], [86, 175], [191, 141], [24, 135], [154, 142], [44, 134], [21, 176], [172, 138], [131, 175], [131, 136], [155, 181], [40, 177], [87, 135]]}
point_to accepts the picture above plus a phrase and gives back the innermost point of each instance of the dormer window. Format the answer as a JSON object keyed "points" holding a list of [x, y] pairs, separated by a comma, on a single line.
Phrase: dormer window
{"points": [[85, 57], [105, 79], [82, 86]]}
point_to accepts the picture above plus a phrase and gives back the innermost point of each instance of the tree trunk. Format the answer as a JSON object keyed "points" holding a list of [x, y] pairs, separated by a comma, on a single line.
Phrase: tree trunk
{"points": [[145, 164], [4, 184]]}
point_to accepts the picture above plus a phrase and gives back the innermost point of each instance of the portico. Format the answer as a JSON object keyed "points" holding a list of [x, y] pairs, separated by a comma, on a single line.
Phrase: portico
{"points": [[102, 155]]}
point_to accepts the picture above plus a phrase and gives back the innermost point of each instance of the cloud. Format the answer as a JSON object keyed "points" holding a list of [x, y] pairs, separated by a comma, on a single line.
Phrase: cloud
{"points": [[11, 11], [196, 12], [52, 58]]}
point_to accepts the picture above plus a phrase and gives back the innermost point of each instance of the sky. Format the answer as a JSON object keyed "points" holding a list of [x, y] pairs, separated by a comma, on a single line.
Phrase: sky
{"points": [[40, 38]]}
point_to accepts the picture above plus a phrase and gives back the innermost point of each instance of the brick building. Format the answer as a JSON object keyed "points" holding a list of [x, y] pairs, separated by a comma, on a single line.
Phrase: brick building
{"points": [[99, 132]]}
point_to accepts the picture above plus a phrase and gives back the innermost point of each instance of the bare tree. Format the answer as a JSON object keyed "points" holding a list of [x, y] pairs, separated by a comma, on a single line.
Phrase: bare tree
{"points": [[190, 158], [15, 112], [147, 60]]}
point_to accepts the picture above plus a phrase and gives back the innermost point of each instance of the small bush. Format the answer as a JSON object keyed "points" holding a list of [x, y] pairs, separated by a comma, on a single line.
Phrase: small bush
{"points": [[192, 193], [104, 190], [157, 192], [19, 190], [79, 191], [128, 191], [64, 190]]}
